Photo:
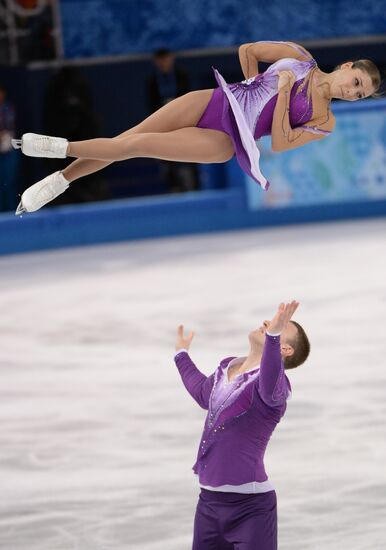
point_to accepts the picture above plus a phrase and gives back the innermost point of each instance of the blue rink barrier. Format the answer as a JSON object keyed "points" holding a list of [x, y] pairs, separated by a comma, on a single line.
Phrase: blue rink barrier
{"points": [[159, 217]]}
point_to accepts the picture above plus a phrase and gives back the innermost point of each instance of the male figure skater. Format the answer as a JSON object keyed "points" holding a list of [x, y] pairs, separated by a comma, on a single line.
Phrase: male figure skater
{"points": [[245, 398]]}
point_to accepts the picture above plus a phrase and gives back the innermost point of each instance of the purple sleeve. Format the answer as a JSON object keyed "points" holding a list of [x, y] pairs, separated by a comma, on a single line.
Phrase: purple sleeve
{"points": [[272, 383], [198, 385]]}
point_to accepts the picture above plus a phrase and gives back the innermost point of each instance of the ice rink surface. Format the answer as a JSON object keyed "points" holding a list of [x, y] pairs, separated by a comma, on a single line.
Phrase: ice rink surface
{"points": [[98, 434]]}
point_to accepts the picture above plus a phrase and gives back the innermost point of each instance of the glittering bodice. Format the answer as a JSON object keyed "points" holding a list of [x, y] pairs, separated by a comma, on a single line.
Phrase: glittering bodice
{"points": [[257, 96], [230, 399]]}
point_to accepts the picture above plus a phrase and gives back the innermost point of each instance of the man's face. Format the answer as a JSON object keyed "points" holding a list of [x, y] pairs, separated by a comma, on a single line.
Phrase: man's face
{"points": [[288, 335]]}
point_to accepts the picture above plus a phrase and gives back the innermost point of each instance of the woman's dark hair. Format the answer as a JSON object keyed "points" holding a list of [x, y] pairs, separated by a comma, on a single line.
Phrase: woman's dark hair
{"points": [[301, 346], [367, 66]]}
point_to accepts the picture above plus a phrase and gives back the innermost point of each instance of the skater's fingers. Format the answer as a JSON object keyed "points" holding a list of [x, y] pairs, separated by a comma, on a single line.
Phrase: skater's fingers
{"points": [[292, 307], [287, 313]]}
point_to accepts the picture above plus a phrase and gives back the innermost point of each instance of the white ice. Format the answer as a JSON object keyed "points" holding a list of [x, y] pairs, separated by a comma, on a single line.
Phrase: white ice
{"points": [[98, 434]]}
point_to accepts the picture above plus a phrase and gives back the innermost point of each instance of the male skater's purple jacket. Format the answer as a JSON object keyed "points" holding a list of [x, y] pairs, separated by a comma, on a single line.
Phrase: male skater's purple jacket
{"points": [[242, 415]]}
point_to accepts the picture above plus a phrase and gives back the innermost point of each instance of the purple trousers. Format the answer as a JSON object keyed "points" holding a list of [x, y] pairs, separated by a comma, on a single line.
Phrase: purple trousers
{"points": [[234, 521]]}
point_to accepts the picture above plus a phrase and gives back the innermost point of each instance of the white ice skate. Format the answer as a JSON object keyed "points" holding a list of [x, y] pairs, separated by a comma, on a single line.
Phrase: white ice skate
{"points": [[37, 145], [42, 192]]}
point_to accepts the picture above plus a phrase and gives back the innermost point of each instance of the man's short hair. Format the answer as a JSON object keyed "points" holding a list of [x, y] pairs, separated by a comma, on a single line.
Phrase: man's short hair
{"points": [[301, 346]]}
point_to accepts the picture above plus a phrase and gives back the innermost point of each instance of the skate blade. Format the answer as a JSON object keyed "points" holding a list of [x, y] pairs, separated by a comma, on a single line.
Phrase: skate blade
{"points": [[20, 209], [16, 143]]}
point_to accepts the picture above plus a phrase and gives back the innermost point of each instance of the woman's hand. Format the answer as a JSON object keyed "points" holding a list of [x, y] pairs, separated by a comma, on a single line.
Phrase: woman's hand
{"points": [[282, 317], [285, 78], [183, 342]]}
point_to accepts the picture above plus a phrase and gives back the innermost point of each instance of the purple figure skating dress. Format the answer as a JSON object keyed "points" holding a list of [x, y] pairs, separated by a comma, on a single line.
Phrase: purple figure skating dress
{"points": [[244, 110]]}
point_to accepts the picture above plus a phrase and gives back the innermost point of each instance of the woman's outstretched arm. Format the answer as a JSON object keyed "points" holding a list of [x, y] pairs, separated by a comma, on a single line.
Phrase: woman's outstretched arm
{"points": [[267, 52]]}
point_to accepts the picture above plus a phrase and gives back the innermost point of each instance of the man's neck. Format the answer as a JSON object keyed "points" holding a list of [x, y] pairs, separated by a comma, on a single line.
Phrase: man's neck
{"points": [[252, 360]]}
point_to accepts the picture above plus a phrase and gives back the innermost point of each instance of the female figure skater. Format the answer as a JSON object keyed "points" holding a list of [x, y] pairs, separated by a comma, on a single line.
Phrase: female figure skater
{"points": [[245, 399], [290, 101]]}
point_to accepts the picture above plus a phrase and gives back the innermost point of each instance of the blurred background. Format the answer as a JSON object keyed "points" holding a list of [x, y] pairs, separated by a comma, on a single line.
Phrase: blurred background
{"points": [[98, 434]]}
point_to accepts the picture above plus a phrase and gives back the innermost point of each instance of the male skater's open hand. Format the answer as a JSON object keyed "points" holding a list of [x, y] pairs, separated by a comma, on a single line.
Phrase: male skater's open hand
{"points": [[182, 341], [283, 315]]}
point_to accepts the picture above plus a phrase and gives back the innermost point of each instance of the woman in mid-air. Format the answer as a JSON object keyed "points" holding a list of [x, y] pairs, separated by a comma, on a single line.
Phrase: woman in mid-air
{"points": [[290, 101]]}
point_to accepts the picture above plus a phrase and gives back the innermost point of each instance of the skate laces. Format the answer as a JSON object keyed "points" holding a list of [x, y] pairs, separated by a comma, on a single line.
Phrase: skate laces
{"points": [[46, 144]]}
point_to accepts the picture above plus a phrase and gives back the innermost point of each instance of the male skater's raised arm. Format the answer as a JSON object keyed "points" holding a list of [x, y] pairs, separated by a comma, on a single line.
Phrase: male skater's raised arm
{"points": [[274, 387], [198, 385]]}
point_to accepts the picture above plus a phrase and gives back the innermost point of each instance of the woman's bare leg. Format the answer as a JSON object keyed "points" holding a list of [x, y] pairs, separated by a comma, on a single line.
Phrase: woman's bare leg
{"points": [[83, 167], [183, 111], [184, 145]]}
